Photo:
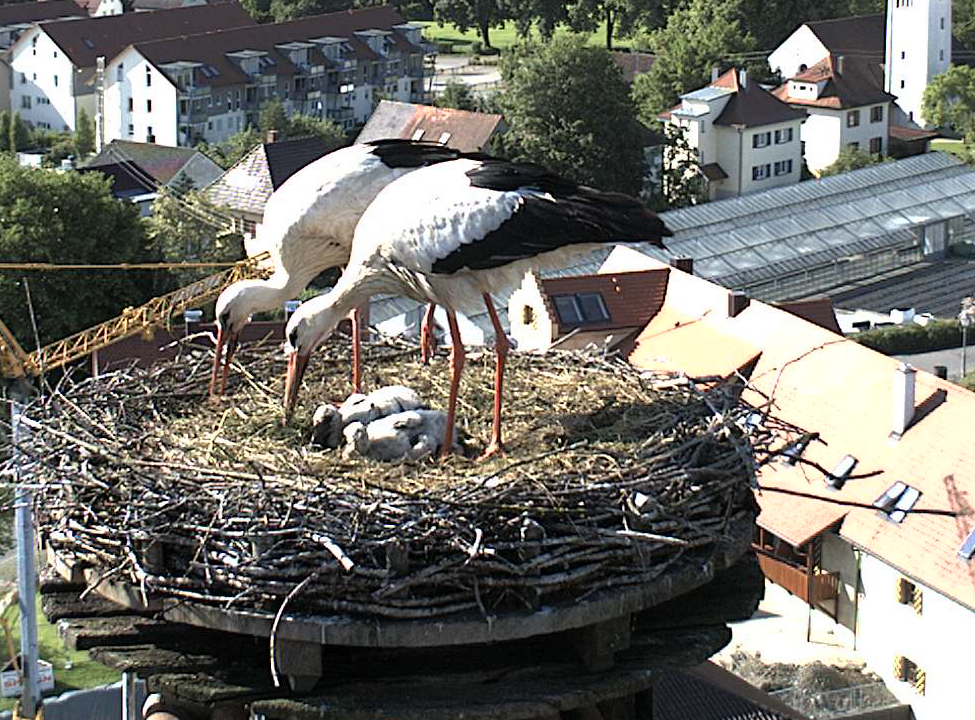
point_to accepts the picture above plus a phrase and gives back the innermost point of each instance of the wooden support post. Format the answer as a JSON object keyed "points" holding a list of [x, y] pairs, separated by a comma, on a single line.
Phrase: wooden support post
{"points": [[622, 708], [597, 644], [643, 704], [300, 661], [590, 712]]}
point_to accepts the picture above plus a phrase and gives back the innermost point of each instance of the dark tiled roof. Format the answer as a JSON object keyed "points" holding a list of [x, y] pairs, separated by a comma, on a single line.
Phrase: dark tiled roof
{"points": [[632, 63], [752, 105], [84, 40], [286, 158], [37, 11], [469, 131], [246, 186], [631, 298], [165, 4], [161, 162], [211, 48], [708, 692], [911, 134], [863, 34], [713, 171], [818, 311], [860, 83]]}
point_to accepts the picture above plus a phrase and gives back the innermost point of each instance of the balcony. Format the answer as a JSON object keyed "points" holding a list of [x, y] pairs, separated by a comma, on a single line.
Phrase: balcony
{"points": [[339, 114], [193, 91], [820, 590]]}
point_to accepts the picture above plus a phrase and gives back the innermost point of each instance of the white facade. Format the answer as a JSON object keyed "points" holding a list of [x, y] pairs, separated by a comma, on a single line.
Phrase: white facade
{"points": [[42, 80], [801, 50], [918, 48], [754, 158], [140, 101], [828, 131]]}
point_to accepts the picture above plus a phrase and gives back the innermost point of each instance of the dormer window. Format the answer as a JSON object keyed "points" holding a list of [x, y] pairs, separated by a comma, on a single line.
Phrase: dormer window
{"points": [[580, 308]]}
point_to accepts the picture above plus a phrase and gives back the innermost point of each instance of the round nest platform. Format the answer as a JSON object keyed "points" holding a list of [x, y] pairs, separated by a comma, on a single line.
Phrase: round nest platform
{"points": [[610, 478]]}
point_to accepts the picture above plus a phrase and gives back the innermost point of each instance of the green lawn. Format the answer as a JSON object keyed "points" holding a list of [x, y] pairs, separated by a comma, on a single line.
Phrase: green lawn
{"points": [[501, 37], [956, 147], [84, 672]]}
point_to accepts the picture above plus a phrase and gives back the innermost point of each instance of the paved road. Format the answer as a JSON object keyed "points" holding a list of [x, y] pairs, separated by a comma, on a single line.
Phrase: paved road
{"points": [[949, 358]]}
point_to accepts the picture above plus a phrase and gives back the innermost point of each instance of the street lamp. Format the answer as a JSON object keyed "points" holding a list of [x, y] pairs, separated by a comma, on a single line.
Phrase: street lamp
{"points": [[967, 318]]}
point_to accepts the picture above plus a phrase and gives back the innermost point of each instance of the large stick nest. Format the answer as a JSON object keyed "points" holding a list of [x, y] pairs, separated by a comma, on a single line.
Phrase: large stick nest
{"points": [[610, 478]]}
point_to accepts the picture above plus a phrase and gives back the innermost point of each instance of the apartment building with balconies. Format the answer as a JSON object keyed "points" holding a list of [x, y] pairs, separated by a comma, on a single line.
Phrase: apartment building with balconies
{"points": [[210, 86]]}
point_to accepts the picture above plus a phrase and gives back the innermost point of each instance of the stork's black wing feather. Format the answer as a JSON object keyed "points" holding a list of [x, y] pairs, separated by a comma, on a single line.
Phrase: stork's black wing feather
{"points": [[411, 153], [561, 213]]}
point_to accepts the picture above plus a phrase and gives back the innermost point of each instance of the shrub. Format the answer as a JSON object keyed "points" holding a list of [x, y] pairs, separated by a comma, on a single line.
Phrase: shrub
{"points": [[913, 338], [968, 382]]}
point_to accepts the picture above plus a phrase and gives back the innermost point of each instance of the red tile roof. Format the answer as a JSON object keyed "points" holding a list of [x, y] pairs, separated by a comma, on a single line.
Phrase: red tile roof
{"points": [[824, 383], [466, 131], [30, 12], [84, 40], [752, 105], [860, 83], [818, 311], [631, 298]]}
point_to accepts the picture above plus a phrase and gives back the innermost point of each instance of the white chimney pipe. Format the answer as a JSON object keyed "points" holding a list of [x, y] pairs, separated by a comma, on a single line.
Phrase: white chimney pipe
{"points": [[904, 377], [714, 74], [743, 78]]}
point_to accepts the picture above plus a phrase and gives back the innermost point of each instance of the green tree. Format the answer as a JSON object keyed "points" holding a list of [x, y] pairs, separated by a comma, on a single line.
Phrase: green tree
{"points": [[949, 101], [622, 18], [185, 227], [66, 218], [84, 136], [305, 126], [568, 108], [851, 158], [284, 10], [963, 21], [481, 15], [5, 131], [273, 117], [19, 133], [455, 95], [260, 10], [681, 181], [233, 149], [696, 38]]}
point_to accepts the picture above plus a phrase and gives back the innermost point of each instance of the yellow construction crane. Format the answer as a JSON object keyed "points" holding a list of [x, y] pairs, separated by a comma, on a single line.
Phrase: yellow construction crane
{"points": [[15, 362]]}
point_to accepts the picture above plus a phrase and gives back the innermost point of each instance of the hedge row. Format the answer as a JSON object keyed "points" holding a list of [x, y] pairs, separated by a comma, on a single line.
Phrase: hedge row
{"points": [[914, 338]]}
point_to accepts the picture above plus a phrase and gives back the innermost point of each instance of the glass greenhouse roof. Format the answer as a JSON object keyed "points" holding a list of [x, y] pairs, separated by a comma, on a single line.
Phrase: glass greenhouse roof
{"points": [[750, 239]]}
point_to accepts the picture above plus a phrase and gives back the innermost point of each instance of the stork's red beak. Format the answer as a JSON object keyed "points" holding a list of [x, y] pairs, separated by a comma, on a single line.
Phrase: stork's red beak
{"points": [[296, 370], [228, 338]]}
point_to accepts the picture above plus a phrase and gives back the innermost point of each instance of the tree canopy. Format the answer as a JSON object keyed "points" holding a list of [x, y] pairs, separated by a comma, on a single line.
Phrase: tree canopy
{"points": [[568, 108], [65, 218], [697, 37], [851, 158], [84, 136], [949, 101]]}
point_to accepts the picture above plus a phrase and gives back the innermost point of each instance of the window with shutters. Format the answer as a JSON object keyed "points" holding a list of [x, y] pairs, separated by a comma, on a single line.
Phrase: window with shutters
{"points": [[907, 593]]}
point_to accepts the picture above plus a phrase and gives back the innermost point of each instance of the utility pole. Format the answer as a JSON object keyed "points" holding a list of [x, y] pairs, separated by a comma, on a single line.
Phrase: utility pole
{"points": [[30, 699]]}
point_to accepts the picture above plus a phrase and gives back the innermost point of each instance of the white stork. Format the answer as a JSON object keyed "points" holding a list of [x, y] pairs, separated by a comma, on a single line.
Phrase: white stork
{"points": [[308, 226], [454, 233]]}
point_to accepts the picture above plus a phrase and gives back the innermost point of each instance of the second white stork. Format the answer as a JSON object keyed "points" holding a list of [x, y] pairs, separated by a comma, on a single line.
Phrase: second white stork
{"points": [[456, 232], [307, 228]]}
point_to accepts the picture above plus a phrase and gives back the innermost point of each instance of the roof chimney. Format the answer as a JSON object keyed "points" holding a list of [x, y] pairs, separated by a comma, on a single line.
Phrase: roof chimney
{"points": [[682, 263], [903, 398], [272, 136], [737, 302], [839, 64], [714, 74], [743, 78], [941, 371]]}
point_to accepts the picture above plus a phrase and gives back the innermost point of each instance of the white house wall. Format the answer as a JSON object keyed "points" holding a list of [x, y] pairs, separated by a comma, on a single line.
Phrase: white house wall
{"points": [[123, 124], [918, 48], [938, 641], [737, 157], [825, 133], [801, 48], [52, 103]]}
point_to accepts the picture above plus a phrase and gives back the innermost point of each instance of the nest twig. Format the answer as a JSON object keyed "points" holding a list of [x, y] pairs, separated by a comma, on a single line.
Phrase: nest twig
{"points": [[611, 476]]}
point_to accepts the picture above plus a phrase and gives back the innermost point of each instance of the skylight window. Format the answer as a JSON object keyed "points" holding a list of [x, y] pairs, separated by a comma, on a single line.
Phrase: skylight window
{"points": [[897, 501], [837, 478], [968, 547], [794, 450], [88, 43], [580, 309]]}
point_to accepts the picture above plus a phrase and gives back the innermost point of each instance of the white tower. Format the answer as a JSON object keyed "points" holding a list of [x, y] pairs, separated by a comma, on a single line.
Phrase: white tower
{"points": [[918, 48]]}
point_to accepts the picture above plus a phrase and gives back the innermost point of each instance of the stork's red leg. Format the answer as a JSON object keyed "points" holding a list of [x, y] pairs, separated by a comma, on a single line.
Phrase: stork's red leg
{"points": [[501, 347], [457, 356], [356, 360], [428, 341]]}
